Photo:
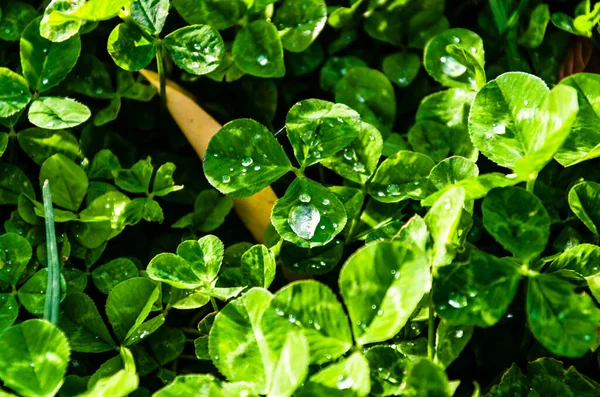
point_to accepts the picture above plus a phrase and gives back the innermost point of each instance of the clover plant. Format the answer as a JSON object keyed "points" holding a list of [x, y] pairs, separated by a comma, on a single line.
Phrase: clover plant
{"points": [[437, 226]]}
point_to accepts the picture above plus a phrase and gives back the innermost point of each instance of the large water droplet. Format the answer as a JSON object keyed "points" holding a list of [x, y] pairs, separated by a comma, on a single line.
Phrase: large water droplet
{"points": [[262, 60], [349, 154], [499, 128], [344, 382], [304, 219], [451, 67]]}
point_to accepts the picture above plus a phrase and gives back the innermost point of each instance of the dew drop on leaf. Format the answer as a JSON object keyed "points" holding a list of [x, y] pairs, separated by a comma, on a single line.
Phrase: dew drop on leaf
{"points": [[247, 161], [451, 67], [304, 219], [305, 198]]}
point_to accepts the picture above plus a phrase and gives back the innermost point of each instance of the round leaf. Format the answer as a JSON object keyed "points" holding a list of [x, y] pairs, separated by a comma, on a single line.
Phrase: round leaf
{"points": [[16, 15], [299, 23], [401, 68], [56, 113], [14, 92], [129, 48], [110, 274], [45, 64], [40, 144], [34, 358], [15, 253], [258, 51], [451, 170], [335, 68], [243, 158], [308, 215], [150, 15], [197, 49], [68, 182]]}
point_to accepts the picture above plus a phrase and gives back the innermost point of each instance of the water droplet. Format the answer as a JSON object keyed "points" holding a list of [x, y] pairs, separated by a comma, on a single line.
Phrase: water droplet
{"points": [[393, 189], [291, 318], [257, 168], [380, 193], [325, 202], [316, 154], [195, 53], [344, 382], [451, 67], [195, 64], [246, 161], [305, 198], [525, 102], [322, 227], [197, 46], [262, 60], [335, 225], [457, 300], [499, 128], [359, 167], [456, 39], [303, 219], [349, 154], [459, 334], [373, 307], [99, 91], [225, 179]]}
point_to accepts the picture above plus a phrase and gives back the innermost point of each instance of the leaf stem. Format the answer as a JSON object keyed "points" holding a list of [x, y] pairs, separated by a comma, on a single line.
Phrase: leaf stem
{"points": [[51, 305], [431, 327], [214, 304], [531, 184], [160, 66]]}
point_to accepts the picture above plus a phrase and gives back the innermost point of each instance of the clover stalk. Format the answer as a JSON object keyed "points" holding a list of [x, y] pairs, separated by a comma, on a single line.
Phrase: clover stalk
{"points": [[160, 67], [51, 305]]}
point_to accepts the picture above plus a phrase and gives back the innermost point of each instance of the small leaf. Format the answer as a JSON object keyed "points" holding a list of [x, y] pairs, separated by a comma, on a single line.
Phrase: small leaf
{"points": [[9, 310], [46, 64], [243, 158], [258, 51], [98, 10], [387, 366], [109, 113], [370, 283], [119, 383], [55, 26], [15, 253], [55, 113], [220, 14], [13, 182], [129, 48], [336, 68], [401, 68], [32, 294], [197, 49], [16, 15], [308, 215], [317, 260], [299, 24], [450, 342], [451, 170], [68, 182], [538, 20], [112, 273], [103, 165], [137, 178], [150, 15], [259, 266], [582, 199], [203, 385], [14, 92], [427, 379], [41, 144], [163, 182], [34, 358]]}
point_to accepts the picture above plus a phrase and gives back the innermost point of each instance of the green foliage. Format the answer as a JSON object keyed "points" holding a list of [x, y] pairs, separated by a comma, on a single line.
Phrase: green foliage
{"points": [[436, 217]]}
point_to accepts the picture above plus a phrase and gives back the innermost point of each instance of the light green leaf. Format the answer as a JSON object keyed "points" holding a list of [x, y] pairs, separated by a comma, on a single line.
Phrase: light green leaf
{"points": [[3, 142], [477, 293], [140, 333], [197, 49], [313, 309], [563, 321], [401, 177], [259, 266], [110, 274], [16, 15], [55, 113], [163, 181], [299, 23], [203, 385], [582, 143], [582, 200], [118, 383], [129, 48], [45, 64], [349, 378], [15, 253], [401, 68], [91, 234], [108, 207], [451, 170], [431, 138], [518, 220], [81, 322], [308, 215], [137, 178], [258, 51], [97, 10], [34, 358], [450, 340], [243, 158], [381, 284], [455, 58], [55, 26], [318, 129], [9, 310], [220, 14], [370, 93], [128, 305], [41, 144], [68, 182], [150, 15], [426, 379], [14, 92]]}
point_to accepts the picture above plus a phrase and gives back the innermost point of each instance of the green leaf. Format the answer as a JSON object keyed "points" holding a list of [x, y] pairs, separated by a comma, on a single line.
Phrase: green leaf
{"points": [[103, 165], [128, 305], [424, 25], [243, 158], [308, 215], [13, 182], [582, 142], [299, 23], [16, 15], [32, 294], [513, 383], [41, 144], [387, 366], [450, 342], [110, 274], [382, 283], [426, 379], [34, 358], [197, 49], [440, 59], [518, 220], [313, 309], [82, 324], [258, 51], [167, 344], [109, 113], [3, 142], [318, 260], [55, 113], [210, 210], [196, 264], [220, 14], [91, 77], [370, 93], [54, 26], [401, 68], [138, 90], [431, 138], [335, 69], [15, 253], [451, 170], [150, 15], [98, 10], [349, 377], [137, 178], [45, 64], [203, 385], [538, 20], [92, 234], [401, 177], [259, 266], [358, 161], [9, 310], [477, 293], [129, 48], [318, 129], [118, 383], [68, 182], [563, 321], [107, 207], [521, 128], [582, 199], [14, 92], [163, 182]]}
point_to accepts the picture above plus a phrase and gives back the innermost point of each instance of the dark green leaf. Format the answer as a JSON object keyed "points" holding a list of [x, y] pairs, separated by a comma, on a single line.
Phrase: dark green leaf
{"points": [[40, 144], [110, 274], [299, 23], [15, 253], [197, 49], [150, 15], [258, 51], [14, 92]]}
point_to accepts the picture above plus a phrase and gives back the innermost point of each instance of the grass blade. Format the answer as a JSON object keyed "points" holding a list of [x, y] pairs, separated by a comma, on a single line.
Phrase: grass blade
{"points": [[53, 289]]}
